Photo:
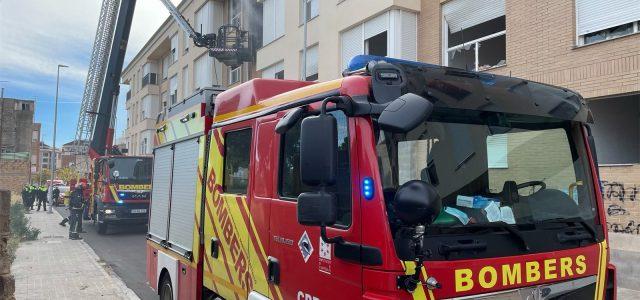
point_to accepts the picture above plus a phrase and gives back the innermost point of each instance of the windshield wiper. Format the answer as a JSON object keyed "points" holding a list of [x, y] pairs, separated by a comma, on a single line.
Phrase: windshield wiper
{"points": [[565, 237], [512, 230]]}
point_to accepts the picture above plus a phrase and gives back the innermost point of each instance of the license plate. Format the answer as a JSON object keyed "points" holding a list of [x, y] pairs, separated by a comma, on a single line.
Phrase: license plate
{"points": [[139, 211]]}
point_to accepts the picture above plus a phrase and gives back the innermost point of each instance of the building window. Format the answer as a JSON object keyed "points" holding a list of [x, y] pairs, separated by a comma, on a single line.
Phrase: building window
{"points": [[186, 92], [376, 45], [205, 71], [173, 89], [186, 42], [312, 63], [174, 48], [275, 71], [149, 74], [272, 20], [237, 149], [290, 184], [497, 151], [311, 8], [598, 21], [204, 19], [166, 61], [25, 106], [475, 38], [235, 74], [373, 37]]}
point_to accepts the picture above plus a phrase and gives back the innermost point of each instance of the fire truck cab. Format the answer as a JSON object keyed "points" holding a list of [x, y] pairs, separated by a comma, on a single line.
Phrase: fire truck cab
{"points": [[401, 180]]}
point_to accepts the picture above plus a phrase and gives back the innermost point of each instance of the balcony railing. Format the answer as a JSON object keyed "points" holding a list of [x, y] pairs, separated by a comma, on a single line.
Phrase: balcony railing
{"points": [[151, 78]]}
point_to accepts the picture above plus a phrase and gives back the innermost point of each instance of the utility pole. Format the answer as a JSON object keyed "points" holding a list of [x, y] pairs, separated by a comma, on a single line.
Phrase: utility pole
{"points": [[1, 111], [304, 41], [55, 126]]}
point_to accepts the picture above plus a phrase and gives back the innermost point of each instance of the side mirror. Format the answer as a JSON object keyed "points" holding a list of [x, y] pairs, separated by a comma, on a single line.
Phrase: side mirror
{"points": [[318, 150], [405, 113], [317, 209]]}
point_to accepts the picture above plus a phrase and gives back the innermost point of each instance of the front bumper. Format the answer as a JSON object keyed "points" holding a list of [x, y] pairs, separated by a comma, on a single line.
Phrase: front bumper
{"points": [[127, 213]]}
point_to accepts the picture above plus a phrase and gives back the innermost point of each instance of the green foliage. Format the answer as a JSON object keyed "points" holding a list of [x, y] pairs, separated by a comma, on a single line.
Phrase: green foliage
{"points": [[19, 223]]}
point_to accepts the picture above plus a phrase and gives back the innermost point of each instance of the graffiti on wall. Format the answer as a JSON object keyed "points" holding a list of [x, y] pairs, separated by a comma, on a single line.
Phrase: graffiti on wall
{"points": [[622, 206]]}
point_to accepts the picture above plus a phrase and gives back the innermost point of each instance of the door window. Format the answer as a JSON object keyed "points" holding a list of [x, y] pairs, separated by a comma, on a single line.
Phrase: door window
{"points": [[237, 150], [290, 184]]}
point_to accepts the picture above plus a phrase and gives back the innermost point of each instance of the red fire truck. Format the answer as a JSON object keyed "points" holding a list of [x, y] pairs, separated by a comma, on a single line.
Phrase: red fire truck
{"points": [[401, 180]]}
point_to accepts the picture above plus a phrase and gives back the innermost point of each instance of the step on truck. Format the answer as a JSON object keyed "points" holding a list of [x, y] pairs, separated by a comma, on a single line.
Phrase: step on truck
{"points": [[401, 180]]}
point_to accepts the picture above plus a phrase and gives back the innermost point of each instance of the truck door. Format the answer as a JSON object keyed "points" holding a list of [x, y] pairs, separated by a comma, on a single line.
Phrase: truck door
{"points": [[308, 268], [230, 233]]}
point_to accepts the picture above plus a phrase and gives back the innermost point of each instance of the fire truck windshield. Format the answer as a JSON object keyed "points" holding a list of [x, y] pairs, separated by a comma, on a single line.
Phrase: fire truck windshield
{"points": [[130, 170], [493, 168]]}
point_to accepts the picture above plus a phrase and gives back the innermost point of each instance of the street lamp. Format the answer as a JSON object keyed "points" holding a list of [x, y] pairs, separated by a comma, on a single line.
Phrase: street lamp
{"points": [[55, 126]]}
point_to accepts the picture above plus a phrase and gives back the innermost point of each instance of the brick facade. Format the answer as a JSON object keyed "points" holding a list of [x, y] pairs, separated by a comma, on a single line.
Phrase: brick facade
{"points": [[541, 46], [14, 174], [621, 195]]}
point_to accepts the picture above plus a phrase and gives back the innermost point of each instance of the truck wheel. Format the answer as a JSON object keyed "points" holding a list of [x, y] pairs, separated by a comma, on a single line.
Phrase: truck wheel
{"points": [[166, 290], [102, 227]]}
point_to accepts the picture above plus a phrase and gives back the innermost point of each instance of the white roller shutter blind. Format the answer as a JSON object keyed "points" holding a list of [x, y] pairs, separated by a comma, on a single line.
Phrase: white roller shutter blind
{"points": [[352, 44], [183, 194], [174, 47], [202, 75], [312, 60], [204, 19], [270, 72], [268, 21], [596, 15], [186, 91], [406, 38], [160, 192], [497, 151], [376, 25], [461, 14]]}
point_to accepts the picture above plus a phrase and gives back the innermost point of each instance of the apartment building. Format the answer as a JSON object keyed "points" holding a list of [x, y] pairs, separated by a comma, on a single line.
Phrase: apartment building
{"points": [[47, 157], [170, 68]]}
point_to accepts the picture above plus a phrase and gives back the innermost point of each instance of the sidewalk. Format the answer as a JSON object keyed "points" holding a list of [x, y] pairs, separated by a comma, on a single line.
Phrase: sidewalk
{"points": [[625, 255], [54, 267]]}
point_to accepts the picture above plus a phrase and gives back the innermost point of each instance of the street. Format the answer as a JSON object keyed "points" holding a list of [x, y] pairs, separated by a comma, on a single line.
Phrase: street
{"points": [[123, 250]]}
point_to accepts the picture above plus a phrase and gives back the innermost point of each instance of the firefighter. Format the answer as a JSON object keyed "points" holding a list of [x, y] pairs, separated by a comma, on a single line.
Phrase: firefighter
{"points": [[55, 194], [41, 193], [76, 205]]}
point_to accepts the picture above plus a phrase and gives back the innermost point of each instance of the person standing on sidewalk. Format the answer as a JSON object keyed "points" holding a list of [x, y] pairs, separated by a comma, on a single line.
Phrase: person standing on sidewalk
{"points": [[76, 205], [25, 196], [55, 195], [42, 197]]}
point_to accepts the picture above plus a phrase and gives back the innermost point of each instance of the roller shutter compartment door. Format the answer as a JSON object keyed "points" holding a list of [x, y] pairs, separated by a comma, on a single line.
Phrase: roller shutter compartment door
{"points": [[183, 194], [160, 192]]}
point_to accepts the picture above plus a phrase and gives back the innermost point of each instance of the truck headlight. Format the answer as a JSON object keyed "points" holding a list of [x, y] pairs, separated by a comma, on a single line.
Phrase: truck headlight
{"points": [[109, 211]]}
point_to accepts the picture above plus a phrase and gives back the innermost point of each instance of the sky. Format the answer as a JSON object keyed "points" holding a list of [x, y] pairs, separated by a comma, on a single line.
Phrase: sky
{"points": [[37, 35]]}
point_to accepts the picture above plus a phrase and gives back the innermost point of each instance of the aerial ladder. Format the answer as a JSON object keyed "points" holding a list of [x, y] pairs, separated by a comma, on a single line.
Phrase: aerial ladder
{"points": [[230, 45]]}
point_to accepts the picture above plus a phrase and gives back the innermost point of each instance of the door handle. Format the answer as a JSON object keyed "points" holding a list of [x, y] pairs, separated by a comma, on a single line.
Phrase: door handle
{"points": [[273, 270], [215, 248]]}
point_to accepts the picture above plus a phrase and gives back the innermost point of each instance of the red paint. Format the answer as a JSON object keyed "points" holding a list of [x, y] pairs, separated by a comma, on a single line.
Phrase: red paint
{"points": [[152, 267], [187, 285], [253, 92]]}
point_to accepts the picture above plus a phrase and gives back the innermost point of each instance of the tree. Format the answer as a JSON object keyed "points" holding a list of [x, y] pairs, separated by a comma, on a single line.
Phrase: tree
{"points": [[66, 174], [42, 176]]}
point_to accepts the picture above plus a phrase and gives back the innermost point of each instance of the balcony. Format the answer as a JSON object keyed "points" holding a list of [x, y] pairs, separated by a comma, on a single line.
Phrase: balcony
{"points": [[150, 78]]}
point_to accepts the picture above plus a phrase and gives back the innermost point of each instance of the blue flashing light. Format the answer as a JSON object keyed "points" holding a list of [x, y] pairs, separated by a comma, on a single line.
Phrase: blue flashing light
{"points": [[121, 195], [360, 61], [367, 188]]}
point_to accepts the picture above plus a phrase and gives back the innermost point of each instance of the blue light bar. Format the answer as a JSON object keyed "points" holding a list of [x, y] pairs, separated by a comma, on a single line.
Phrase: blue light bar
{"points": [[367, 188], [360, 61]]}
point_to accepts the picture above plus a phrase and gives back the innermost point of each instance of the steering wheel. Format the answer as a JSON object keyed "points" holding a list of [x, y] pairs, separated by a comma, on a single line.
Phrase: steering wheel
{"points": [[532, 183]]}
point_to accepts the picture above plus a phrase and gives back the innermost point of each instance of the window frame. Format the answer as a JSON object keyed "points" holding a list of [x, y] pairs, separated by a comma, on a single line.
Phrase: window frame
{"points": [[225, 133], [281, 196], [580, 39], [237, 70]]}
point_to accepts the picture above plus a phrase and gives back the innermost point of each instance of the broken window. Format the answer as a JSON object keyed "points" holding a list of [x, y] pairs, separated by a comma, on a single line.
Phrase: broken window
{"points": [[475, 37]]}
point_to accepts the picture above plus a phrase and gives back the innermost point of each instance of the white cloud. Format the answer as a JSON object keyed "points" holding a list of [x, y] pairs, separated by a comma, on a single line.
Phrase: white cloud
{"points": [[37, 35]]}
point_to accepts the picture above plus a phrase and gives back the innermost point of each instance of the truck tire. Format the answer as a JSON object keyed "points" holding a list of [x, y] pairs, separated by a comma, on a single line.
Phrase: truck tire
{"points": [[166, 289], [102, 227]]}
